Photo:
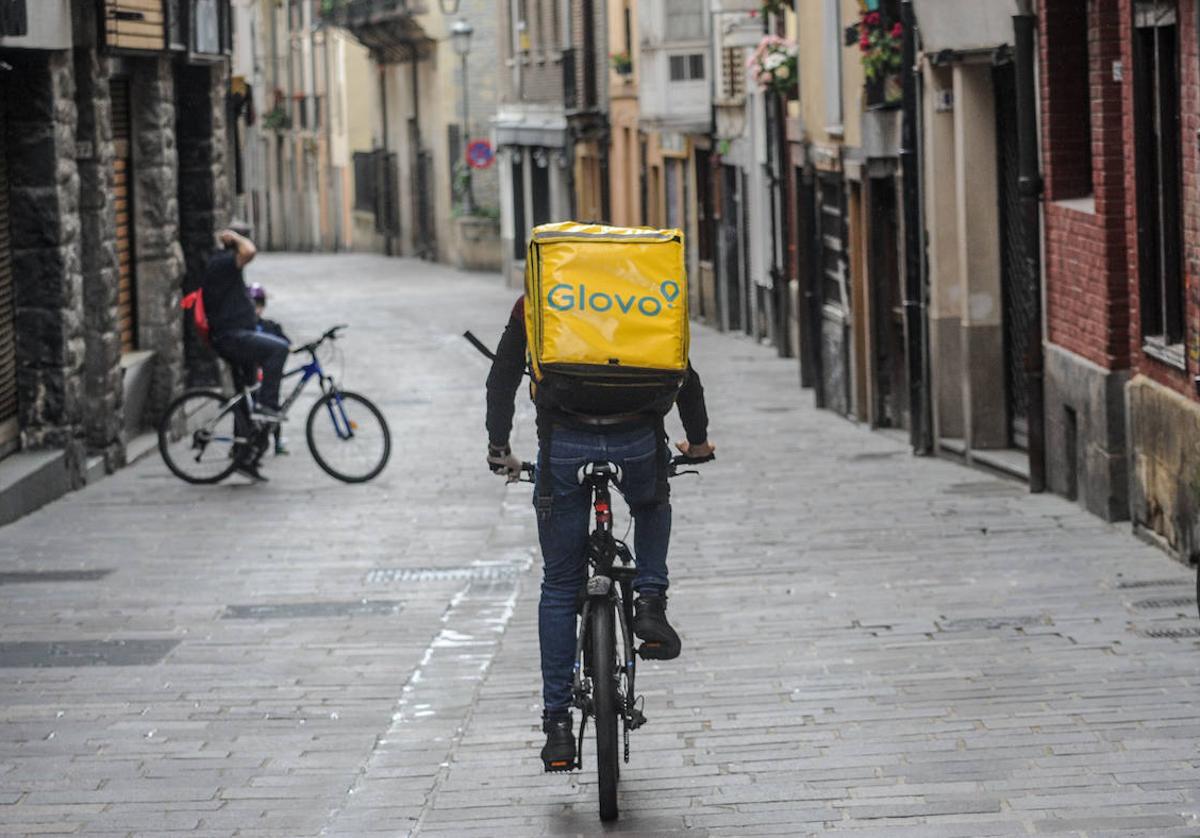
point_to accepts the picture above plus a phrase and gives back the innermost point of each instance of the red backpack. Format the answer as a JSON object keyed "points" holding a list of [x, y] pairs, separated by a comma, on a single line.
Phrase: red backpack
{"points": [[195, 301]]}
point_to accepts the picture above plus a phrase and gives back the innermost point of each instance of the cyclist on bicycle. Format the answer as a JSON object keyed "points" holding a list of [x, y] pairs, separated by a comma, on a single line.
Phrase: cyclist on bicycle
{"points": [[234, 331], [637, 447]]}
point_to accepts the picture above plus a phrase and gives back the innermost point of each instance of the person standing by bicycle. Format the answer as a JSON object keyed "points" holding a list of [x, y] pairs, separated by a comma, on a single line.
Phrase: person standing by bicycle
{"points": [[233, 327], [637, 445], [258, 296]]}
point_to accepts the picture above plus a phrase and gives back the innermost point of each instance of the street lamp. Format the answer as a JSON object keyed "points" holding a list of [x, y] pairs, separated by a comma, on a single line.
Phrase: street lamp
{"points": [[460, 38]]}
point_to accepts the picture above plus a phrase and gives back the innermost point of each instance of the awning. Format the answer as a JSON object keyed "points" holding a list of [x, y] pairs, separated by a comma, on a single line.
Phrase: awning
{"points": [[964, 25], [530, 127]]}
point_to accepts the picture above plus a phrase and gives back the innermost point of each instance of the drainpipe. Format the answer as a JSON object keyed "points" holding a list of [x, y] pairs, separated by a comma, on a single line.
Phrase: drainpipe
{"points": [[420, 233], [383, 180], [1030, 188], [914, 308]]}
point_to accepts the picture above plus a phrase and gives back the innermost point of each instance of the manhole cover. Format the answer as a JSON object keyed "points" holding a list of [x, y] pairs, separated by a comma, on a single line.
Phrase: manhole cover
{"points": [[1166, 602], [1132, 584], [304, 610], [440, 574], [132, 652], [992, 623], [1165, 633], [20, 577]]}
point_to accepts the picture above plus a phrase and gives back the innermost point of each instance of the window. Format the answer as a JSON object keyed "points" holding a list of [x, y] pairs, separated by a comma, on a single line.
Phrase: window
{"points": [[832, 58], [687, 67], [734, 69], [674, 216], [685, 19], [520, 19], [364, 181], [1069, 95], [1157, 145]]}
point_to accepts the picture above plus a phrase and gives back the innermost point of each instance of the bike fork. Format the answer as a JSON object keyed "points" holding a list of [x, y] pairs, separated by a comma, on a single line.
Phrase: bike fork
{"points": [[623, 607]]}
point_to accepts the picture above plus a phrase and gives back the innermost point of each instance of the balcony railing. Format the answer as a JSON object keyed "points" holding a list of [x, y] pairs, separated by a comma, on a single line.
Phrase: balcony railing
{"points": [[580, 91], [386, 27]]}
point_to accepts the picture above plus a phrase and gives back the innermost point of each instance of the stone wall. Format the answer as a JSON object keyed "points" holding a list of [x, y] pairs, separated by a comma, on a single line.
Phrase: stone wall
{"points": [[103, 386], [1086, 458], [160, 262], [39, 94], [1164, 485]]}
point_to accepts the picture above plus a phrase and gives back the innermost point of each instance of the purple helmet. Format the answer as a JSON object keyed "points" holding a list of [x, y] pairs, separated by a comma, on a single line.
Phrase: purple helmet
{"points": [[257, 293]]}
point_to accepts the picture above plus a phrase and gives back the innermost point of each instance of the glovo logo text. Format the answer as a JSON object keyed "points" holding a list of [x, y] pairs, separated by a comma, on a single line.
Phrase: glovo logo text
{"points": [[564, 297]]}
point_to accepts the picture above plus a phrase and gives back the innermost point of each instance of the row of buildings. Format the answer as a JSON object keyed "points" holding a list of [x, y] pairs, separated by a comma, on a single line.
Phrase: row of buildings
{"points": [[974, 221]]}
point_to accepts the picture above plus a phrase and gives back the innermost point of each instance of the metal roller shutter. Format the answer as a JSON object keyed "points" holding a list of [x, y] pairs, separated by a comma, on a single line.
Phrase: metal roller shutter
{"points": [[8, 331], [123, 194]]}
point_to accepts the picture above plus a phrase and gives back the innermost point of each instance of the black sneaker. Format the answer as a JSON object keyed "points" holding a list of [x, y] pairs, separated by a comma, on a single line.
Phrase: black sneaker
{"points": [[659, 640], [250, 470], [558, 754]]}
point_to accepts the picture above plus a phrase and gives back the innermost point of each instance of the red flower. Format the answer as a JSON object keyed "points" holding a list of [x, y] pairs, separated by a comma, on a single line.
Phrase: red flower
{"points": [[897, 30], [864, 43], [871, 19]]}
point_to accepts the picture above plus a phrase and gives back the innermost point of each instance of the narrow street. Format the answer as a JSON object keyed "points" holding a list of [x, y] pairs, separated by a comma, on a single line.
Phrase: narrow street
{"points": [[874, 644]]}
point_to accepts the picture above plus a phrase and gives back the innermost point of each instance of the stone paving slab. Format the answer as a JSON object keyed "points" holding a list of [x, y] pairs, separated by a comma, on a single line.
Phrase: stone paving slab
{"points": [[874, 644]]}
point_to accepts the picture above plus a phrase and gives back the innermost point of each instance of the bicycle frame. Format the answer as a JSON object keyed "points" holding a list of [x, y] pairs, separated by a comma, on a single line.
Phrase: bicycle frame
{"points": [[609, 585], [307, 371]]}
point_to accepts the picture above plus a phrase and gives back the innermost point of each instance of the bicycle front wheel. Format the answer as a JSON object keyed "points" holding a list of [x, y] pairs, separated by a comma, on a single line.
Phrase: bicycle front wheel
{"points": [[348, 436], [604, 696], [196, 437]]}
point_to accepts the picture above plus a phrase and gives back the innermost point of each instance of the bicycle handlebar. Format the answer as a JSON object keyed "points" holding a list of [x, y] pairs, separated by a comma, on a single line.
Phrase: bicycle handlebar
{"points": [[332, 333], [526, 474]]}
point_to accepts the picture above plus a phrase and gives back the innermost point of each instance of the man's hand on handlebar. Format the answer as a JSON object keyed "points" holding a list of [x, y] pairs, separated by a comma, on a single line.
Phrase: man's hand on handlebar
{"points": [[501, 460], [696, 452]]}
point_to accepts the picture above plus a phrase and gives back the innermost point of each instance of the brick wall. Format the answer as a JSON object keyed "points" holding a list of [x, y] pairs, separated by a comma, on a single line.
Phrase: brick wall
{"points": [[1189, 54], [1087, 267]]}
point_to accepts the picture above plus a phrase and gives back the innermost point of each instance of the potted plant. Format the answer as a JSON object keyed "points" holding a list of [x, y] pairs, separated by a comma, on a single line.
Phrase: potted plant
{"points": [[773, 65], [276, 119], [880, 41], [621, 62]]}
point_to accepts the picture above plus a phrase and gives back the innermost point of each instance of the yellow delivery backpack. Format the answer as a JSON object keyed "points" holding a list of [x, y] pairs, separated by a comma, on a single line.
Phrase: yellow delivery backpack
{"points": [[606, 318]]}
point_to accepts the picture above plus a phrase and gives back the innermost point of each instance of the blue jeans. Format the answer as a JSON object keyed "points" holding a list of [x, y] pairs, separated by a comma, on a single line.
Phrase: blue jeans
{"points": [[256, 349], [563, 536]]}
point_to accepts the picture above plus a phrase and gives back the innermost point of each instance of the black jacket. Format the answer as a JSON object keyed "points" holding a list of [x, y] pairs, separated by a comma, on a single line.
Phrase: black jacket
{"points": [[226, 302], [509, 367]]}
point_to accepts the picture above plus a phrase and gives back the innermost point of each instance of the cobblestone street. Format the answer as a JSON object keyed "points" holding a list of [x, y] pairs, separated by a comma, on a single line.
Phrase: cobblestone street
{"points": [[874, 644]]}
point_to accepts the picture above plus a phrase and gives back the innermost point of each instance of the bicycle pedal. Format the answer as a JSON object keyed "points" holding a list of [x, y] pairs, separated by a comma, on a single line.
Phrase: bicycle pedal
{"points": [[559, 766], [636, 719]]}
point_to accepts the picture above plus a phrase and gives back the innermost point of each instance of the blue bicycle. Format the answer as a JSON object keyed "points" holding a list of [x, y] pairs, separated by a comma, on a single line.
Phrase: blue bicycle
{"points": [[204, 432]]}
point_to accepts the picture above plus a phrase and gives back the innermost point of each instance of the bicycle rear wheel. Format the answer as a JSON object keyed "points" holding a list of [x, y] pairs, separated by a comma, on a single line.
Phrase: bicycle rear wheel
{"points": [[604, 696], [196, 439], [348, 436]]}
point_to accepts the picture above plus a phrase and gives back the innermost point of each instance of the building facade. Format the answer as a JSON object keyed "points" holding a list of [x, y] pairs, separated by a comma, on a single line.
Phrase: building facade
{"points": [[289, 125], [530, 126], [113, 187]]}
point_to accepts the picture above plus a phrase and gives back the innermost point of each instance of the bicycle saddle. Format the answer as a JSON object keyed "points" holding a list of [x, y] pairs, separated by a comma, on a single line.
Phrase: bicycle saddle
{"points": [[599, 468]]}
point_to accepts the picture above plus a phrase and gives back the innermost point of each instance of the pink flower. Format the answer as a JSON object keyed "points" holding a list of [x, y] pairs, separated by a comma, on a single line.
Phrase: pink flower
{"points": [[898, 30], [864, 43], [871, 19]]}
